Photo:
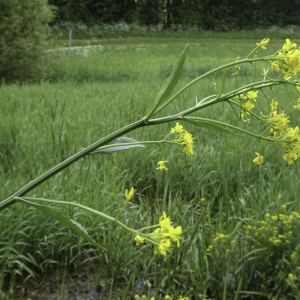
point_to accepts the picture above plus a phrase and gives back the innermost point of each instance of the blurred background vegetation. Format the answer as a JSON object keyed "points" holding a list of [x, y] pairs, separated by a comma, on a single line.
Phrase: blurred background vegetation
{"points": [[30, 26], [209, 14]]}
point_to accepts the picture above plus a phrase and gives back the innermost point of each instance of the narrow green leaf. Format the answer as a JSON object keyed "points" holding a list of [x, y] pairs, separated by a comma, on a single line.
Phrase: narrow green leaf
{"points": [[118, 148], [212, 124], [223, 83], [168, 88], [76, 227]]}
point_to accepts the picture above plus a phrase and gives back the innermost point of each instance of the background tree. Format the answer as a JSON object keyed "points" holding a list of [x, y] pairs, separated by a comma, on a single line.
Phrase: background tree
{"points": [[23, 34]]}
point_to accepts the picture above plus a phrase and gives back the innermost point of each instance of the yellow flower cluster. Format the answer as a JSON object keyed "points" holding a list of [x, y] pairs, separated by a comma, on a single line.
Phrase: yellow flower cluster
{"points": [[245, 101], [167, 297], [288, 60], [161, 237], [288, 137], [276, 230], [219, 239], [184, 138], [263, 43], [279, 123]]}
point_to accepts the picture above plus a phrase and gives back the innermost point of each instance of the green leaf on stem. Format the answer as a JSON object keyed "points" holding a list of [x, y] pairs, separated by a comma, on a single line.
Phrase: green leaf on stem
{"points": [[169, 86], [121, 140], [76, 227], [212, 124]]}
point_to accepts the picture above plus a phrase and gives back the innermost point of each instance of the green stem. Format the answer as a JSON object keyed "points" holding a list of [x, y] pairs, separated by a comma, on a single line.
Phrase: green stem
{"points": [[252, 51], [148, 227], [31, 185]]}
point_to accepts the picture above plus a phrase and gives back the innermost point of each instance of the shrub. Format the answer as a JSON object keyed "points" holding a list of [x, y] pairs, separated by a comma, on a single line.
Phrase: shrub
{"points": [[23, 36]]}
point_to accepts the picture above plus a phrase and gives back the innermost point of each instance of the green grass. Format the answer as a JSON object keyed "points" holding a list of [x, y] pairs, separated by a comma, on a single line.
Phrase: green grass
{"points": [[96, 92]]}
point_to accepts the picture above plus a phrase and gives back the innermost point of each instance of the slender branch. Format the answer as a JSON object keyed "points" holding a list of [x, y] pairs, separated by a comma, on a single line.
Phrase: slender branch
{"points": [[209, 73], [77, 205]]}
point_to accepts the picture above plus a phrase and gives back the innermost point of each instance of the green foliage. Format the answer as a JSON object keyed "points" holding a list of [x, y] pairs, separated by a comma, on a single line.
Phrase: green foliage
{"points": [[210, 15], [94, 11], [23, 34]]}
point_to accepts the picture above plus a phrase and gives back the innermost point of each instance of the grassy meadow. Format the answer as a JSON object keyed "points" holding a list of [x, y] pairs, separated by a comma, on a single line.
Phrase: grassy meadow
{"points": [[100, 90]]}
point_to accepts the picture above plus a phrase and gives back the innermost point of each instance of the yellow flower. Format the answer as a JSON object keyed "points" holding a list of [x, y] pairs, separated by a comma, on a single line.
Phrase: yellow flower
{"points": [[275, 67], [144, 297], [165, 222], [293, 61], [274, 105], [161, 237], [162, 165], [252, 95], [168, 230], [288, 158], [259, 159], [293, 133], [292, 277], [130, 194], [174, 234], [283, 208], [188, 149], [279, 123], [263, 43], [164, 247], [178, 128], [139, 240], [188, 143], [288, 46], [248, 106], [136, 297]]}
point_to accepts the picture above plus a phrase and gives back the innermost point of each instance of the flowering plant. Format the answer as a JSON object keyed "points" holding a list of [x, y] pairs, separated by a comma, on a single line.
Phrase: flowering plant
{"points": [[242, 100]]}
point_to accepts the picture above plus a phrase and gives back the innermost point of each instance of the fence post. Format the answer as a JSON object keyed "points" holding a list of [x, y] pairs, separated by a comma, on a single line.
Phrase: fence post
{"points": [[70, 42]]}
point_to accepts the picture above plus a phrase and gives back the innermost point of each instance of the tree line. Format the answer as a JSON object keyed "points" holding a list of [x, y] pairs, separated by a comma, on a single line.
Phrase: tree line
{"points": [[208, 14]]}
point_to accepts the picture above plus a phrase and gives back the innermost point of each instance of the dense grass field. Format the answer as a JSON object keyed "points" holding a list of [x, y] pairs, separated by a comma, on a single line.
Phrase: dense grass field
{"points": [[99, 90]]}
